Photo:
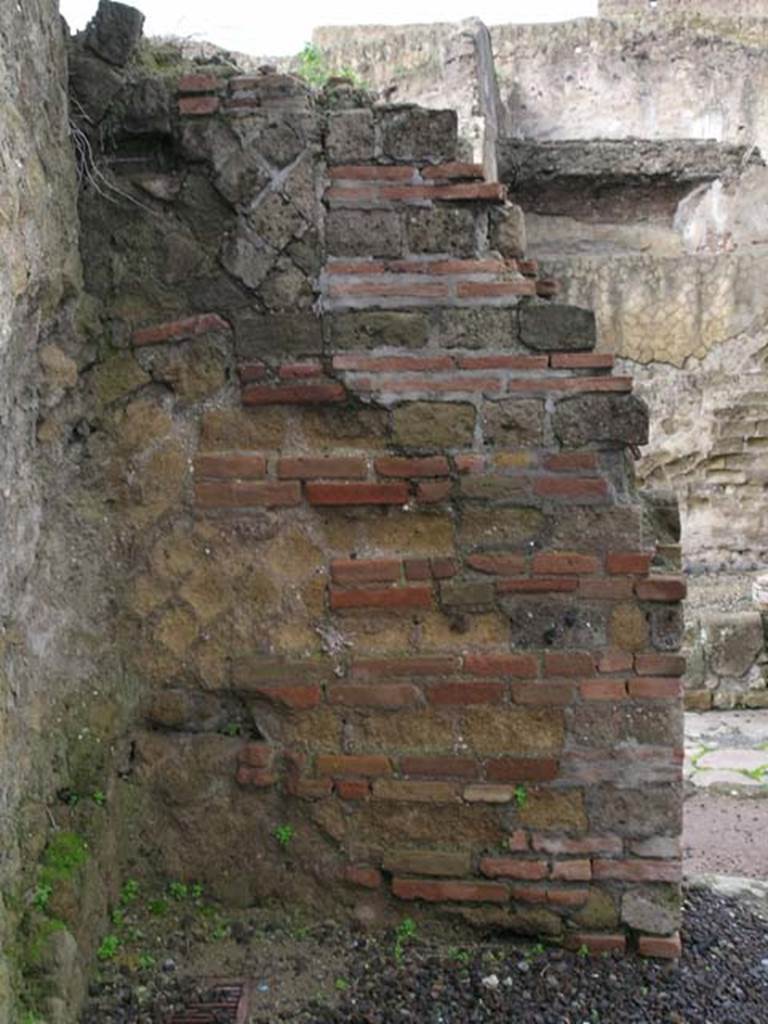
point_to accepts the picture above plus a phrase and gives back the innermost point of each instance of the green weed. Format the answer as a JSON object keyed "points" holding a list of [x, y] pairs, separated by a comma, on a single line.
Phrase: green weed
{"points": [[99, 797], [461, 956], [404, 933], [65, 853], [108, 948], [42, 896], [178, 891], [284, 834], [129, 892], [312, 65], [521, 797]]}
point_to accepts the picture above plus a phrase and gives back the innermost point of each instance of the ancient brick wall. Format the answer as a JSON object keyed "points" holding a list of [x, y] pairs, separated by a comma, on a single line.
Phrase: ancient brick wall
{"points": [[392, 581]]}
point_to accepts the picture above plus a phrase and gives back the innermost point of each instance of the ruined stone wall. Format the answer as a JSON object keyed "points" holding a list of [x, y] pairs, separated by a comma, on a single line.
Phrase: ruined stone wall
{"points": [[62, 686], [437, 65], [390, 577], [649, 209]]}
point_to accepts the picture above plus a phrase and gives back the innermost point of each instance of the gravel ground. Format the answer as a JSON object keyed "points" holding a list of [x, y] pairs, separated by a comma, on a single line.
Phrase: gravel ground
{"points": [[330, 975]]}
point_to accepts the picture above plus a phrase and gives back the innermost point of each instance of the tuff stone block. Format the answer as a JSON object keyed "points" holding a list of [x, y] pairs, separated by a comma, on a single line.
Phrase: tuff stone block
{"points": [[364, 232], [551, 327], [433, 425], [351, 136], [603, 420], [411, 133]]}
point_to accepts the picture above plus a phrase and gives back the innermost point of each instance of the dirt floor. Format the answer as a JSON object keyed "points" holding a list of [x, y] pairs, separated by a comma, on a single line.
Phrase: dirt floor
{"points": [[726, 835], [165, 947], [329, 974]]}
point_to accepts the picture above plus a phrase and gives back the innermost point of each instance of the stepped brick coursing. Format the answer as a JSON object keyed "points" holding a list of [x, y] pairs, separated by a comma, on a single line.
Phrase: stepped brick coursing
{"points": [[402, 593]]}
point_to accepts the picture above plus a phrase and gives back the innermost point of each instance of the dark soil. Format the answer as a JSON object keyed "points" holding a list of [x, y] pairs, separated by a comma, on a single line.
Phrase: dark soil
{"points": [[331, 975]]}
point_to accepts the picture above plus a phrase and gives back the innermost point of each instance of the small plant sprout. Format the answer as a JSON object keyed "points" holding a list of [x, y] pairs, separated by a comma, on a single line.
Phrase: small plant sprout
{"points": [[232, 729], [521, 797], [42, 896], [146, 961], [461, 956], [118, 917], [582, 950], [178, 891], [404, 933], [99, 797], [158, 907], [537, 949], [341, 984], [196, 891], [129, 892], [284, 834], [108, 948], [221, 931]]}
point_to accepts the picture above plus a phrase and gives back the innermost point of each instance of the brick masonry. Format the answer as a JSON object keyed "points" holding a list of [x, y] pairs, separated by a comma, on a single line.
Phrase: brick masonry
{"points": [[402, 595]]}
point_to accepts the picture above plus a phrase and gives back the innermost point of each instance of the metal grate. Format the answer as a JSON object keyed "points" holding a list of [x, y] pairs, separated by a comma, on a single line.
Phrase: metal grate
{"points": [[223, 1003]]}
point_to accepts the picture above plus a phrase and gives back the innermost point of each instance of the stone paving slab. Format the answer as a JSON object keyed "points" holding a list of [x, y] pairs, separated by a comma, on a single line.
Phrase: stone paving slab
{"points": [[734, 759], [727, 751]]}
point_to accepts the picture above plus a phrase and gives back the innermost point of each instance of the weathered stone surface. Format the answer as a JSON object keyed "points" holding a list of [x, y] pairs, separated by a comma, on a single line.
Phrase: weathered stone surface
{"points": [[94, 85], [543, 620], [433, 425], [654, 909], [507, 231], [451, 864], [375, 328], [146, 106], [628, 627], [514, 423], [732, 641], [364, 233], [391, 824], [601, 419], [187, 769], [441, 229], [546, 326], [667, 625], [599, 913], [287, 288], [549, 809], [481, 327], [500, 528], [193, 372], [515, 731], [529, 921], [413, 133], [653, 810], [598, 529], [188, 711], [351, 136], [276, 334], [411, 731], [114, 32]]}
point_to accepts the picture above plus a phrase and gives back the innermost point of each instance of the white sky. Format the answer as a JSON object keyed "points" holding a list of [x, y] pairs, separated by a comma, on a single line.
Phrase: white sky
{"points": [[245, 26]]}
